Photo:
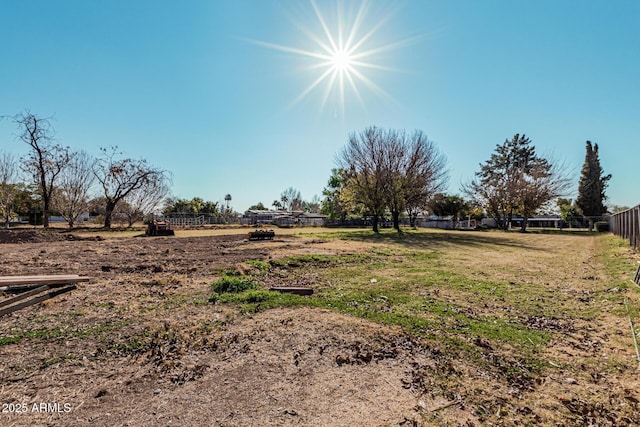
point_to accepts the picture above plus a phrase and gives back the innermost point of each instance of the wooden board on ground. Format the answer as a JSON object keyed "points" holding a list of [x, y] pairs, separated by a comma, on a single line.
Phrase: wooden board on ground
{"points": [[46, 280], [28, 286], [292, 290]]}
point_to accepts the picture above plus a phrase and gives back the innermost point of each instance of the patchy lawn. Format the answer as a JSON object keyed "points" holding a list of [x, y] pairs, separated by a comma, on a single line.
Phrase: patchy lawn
{"points": [[425, 328]]}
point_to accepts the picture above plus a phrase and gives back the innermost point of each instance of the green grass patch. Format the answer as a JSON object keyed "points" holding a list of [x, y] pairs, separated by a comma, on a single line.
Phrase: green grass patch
{"points": [[323, 260], [253, 301], [260, 265], [613, 255], [233, 284]]}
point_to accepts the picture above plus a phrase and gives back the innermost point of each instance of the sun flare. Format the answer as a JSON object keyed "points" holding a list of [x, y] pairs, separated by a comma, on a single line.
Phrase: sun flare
{"points": [[341, 60], [343, 52]]}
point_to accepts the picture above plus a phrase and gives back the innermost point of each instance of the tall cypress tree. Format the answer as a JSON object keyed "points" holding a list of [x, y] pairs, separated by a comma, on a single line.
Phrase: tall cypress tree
{"points": [[592, 185]]}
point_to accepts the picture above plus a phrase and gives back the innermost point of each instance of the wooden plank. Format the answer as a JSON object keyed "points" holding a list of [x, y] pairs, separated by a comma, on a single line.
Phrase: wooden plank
{"points": [[25, 295], [45, 280], [292, 290], [36, 300], [18, 289]]}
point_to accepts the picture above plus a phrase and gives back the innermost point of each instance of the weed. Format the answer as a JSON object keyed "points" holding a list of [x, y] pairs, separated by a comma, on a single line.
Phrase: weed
{"points": [[260, 265], [233, 284]]}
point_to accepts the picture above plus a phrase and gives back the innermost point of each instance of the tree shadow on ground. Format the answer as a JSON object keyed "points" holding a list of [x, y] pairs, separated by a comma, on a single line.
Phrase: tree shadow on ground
{"points": [[435, 239]]}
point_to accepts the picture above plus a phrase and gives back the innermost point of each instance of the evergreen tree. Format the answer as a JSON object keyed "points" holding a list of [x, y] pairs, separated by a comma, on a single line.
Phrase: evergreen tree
{"points": [[515, 180], [592, 185]]}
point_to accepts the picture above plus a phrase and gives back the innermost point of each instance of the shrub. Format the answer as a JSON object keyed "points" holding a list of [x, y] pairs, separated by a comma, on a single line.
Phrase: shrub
{"points": [[233, 285]]}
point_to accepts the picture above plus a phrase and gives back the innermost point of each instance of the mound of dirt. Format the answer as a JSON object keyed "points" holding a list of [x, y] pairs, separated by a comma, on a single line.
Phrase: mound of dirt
{"points": [[39, 236], [30, 236]]}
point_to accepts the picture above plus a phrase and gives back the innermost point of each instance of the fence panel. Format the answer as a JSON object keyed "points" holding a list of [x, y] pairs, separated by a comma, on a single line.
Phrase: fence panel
{"points": [[626, 224]]}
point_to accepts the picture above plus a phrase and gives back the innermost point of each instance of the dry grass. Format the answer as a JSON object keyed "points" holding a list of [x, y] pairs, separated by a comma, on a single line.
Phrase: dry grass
{"points": [[426, 328]]}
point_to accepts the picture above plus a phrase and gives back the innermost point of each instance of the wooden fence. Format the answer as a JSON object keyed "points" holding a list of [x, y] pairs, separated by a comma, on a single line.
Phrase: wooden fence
{"points": [[626, 224]]}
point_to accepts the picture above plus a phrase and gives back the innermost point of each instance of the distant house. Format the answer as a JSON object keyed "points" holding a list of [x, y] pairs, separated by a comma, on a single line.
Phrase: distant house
{"points": [[254, 217], [543, 221], [282, 218], [312, 219], [285, 220]]}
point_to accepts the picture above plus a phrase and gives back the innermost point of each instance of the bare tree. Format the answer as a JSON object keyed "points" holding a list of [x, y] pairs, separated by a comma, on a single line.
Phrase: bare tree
{"points": [[363, 160], [145, 200], [118, 178], [426, 174], [314, 205], [45, 160], [415, 171], [8, 189], [293, 198], [72, 194], [386, 169], [541, 183]]}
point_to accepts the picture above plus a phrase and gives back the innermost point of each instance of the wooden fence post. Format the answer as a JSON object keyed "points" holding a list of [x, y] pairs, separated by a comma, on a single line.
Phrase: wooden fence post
{"points": [[626, 225]]}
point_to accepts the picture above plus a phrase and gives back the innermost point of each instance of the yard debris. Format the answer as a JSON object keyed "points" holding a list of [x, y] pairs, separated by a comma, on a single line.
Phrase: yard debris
{"points": [[30, 286]]}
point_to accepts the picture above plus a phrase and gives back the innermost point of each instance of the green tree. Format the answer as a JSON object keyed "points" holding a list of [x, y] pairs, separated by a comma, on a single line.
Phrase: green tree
{"points": [[335, 204], [592, 186], [211, 208], [258, 207], [567, 210], [449, 205], [515, 180]]}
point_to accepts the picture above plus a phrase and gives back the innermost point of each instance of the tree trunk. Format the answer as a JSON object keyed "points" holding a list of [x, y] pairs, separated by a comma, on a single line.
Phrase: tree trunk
{"points": [[70, 223], [111, 205], [396, 220], [412, 220], [45, 217], [375, 224], [523, 228], [507, 225], [46, 205]]}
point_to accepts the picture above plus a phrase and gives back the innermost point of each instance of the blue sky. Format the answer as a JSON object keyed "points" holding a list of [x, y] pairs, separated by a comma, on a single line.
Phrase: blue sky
{"points": [[200, 89]]}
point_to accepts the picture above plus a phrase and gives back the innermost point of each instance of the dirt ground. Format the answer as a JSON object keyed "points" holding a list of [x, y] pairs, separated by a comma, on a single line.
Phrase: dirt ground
{"points": [[275, 368], [204, 364]]}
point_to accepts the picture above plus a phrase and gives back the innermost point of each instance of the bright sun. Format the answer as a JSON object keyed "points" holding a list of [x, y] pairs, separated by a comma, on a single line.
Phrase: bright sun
{"points": [[341, 55], [341, 61]]}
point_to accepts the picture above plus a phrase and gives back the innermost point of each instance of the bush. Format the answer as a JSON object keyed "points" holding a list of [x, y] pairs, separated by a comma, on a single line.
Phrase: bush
{"points": [[602, 226], [233, 285]]}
